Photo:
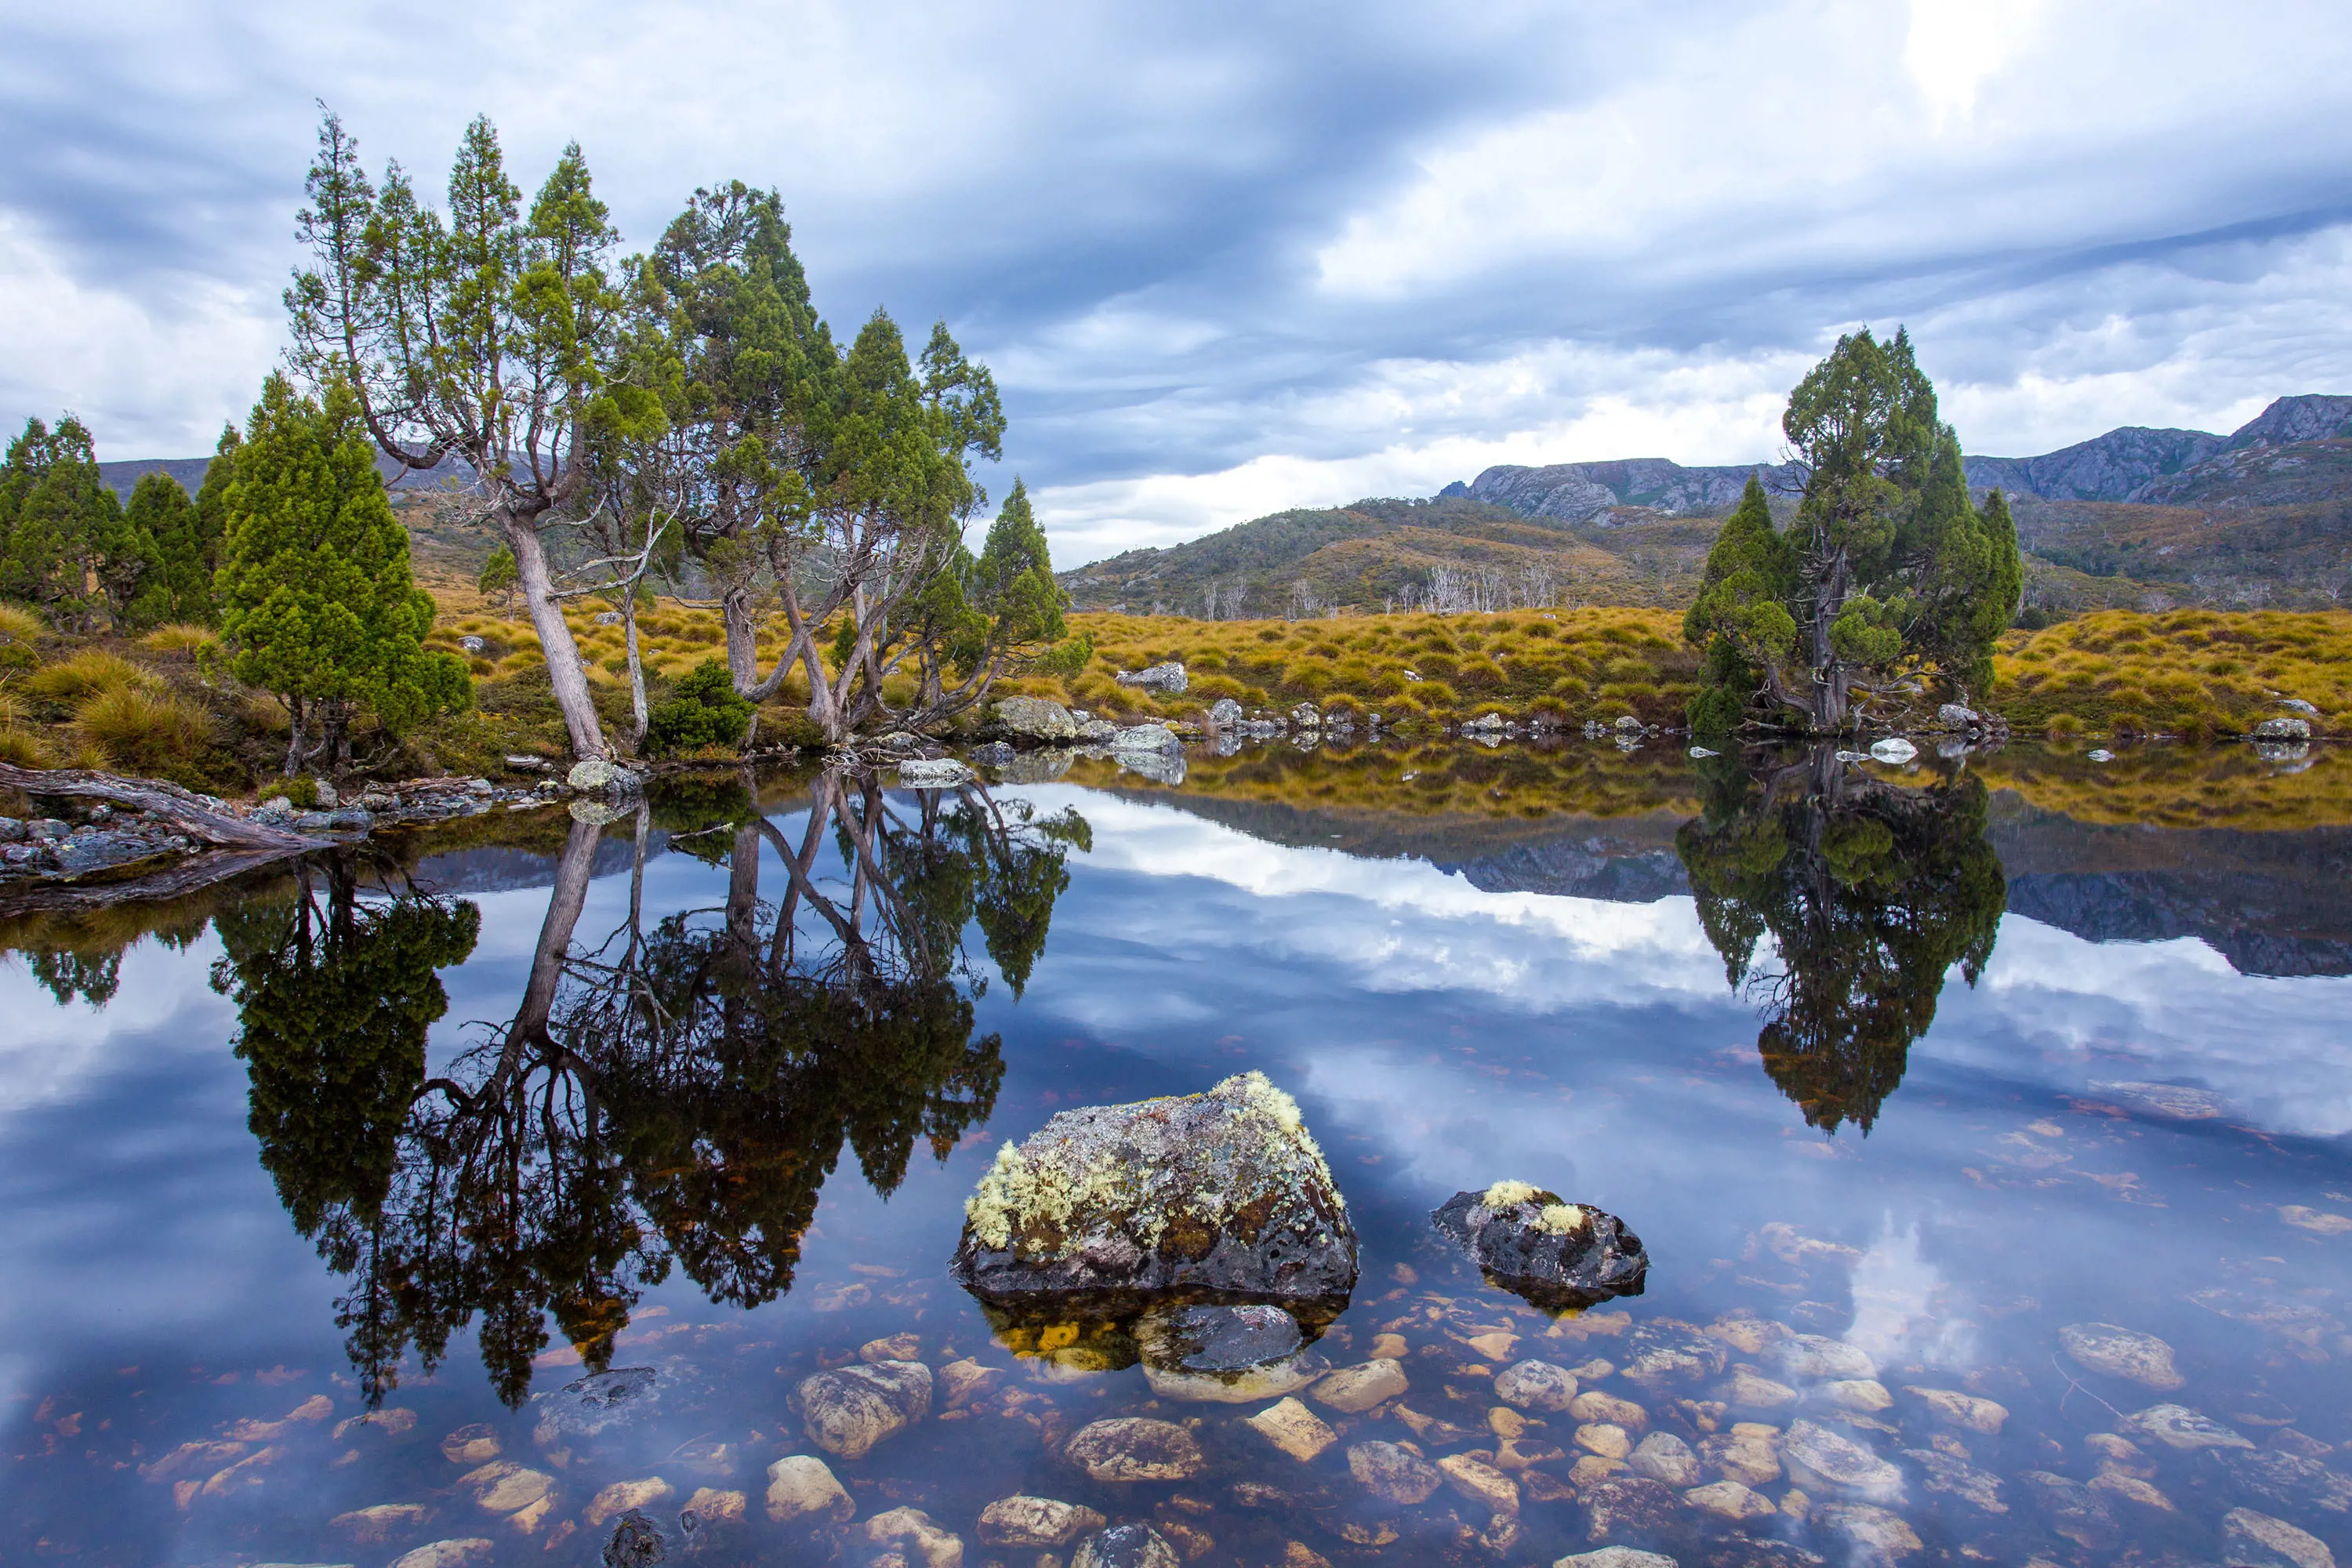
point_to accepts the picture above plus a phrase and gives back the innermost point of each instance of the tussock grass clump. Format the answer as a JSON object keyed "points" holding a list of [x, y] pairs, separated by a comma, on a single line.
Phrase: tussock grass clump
{"points": [[150, 733], [182, 641], [65, 686], [2187, 672]]}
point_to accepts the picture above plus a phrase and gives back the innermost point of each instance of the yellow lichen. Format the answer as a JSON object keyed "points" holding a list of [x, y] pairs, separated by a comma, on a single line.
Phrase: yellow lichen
{"points": [[1560, 1219], [1503, 1194]]}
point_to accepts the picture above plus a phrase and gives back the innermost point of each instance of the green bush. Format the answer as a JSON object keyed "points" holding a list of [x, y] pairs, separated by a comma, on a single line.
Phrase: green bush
{"points": [[706, 711]]}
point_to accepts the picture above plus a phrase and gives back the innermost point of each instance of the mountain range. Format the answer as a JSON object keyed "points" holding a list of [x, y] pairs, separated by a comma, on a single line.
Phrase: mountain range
{"points": [[2136, 518]]}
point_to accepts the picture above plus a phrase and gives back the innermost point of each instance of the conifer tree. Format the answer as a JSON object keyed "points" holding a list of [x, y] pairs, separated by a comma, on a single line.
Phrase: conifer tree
{"points": [[1888, 569], [56, 517], [499, 578], [180, 588], [316, 598]]}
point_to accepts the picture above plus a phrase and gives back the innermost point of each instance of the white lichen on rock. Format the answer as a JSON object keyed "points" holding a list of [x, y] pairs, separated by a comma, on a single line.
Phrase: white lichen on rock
{"points": [[1503, 1194]]}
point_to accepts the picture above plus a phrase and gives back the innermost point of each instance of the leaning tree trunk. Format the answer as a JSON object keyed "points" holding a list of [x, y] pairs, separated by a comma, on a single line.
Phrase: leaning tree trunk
{"points": [[564, 671]]}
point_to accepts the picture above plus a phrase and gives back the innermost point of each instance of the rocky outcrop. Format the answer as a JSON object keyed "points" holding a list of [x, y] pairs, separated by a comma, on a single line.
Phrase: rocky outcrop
{"points": [[1550, 1253], [1221, 1193], [1035, 719], [1167, 680], [1582, 492]]}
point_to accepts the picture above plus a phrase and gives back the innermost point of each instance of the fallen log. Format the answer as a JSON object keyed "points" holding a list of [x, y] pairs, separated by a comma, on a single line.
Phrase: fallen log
{"points": [[184, 809]]}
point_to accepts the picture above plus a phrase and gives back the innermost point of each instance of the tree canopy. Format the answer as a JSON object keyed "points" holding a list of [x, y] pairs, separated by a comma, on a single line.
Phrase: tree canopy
{"points": [[66, 543], [1888, 569], [316, 603]]}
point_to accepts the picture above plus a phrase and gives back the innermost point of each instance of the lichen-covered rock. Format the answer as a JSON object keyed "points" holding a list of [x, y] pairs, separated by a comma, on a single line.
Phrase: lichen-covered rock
{"points": [[2283, 729], [1150, 738], [2123, 1353], [933, 773], [1730, 1500], [2177, 1426], [849, 1410], [914, 1529], [2258, 1540], [1136, 1448], [1534, 1384], [1167, 679], [1666, 1458], [1552, 1254], [1221, 1192], [1035, 719], [1035, 1521], [1224, 713]]}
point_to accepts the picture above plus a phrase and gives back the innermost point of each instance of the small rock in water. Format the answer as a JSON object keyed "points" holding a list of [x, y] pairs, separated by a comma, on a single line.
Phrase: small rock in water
{"points": [[801, 1486], [1023, 1520], [1703, 751], [1865, 1396], [504, 1486], [1600, 1438], [1035, 719], [2098, 755], [1593, 1405], [622, 1497], [1820, 1459], [1126, 1546], [1231, 1355], [1668, 1459], [1815, 1356], [1616, 1557], [1355, 1389], [847, 1412], [1393, 1473], [1481, 1483], [1295, 1429], [1535, 1386], [1963, 1410], [1732, 1500], [464, 1551], [1875, 1535], [637, 1542], [474, 1444], [937, 1548], [1136, 1448], [2122, 1353], [591, 1405], [934, 773], [1749, 1391], [1627, 1505], [1555, 1254], [1950, 1473], [2073, 1510], [1893, 749], [2258, 1540], [2177, 1426]]}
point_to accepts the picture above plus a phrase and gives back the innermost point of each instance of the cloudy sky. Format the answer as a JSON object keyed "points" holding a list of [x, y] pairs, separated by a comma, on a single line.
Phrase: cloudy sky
{"points": [[1229, 257]]}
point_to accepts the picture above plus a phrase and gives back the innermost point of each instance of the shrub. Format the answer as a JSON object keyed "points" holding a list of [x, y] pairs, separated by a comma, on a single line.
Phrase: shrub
{"points": [[706, 711], [794, 729]]}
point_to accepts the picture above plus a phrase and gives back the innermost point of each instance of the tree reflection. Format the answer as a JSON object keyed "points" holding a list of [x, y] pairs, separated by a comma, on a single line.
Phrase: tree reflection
{"points": [[676, 1094], [1870, 892]]}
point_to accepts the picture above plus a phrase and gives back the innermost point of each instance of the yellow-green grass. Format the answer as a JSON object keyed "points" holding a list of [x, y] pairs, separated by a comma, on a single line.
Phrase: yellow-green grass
{"points": [[2120, 673], [2169, 785]]}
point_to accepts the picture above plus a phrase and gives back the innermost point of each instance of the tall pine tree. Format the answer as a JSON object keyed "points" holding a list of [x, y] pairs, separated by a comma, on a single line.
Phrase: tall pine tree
{"points": [[54, 515], [315, 594]]}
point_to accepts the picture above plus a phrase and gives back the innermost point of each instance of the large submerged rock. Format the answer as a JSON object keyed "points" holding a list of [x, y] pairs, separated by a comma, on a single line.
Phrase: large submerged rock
{"points": [[1550, 1253], [1221, 1195]]}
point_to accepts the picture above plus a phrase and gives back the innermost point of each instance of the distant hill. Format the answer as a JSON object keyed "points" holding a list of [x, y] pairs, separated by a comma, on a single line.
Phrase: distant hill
{"points": [[2136, 518], [123, 475]]}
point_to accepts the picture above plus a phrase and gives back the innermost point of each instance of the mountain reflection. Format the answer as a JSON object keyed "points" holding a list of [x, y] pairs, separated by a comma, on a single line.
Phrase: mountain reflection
{"points": [[673, 1094], [1869, 892]]}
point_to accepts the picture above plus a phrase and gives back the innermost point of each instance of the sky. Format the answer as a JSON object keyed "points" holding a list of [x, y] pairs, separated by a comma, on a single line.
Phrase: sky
{"points": [[1226, 259]]}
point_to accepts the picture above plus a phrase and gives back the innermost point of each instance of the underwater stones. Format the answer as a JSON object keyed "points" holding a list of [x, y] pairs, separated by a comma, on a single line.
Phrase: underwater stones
{"points": [[1748, 1389], [2072, 1509], [1950, 1473], [847, 1412], [800, 1487], [1126, 1546], [474, 1444], [463, 1552], [1293, 1428], [380, 1522], [2122, 1353], [961, 1382], [1616, 1557], [1550, 1253], [1035, 719], [1356, 1389], [2177, 1426], [1393, 1473], [1481, 1482], [1819, 1357], [1221, 1191], [588, 1406], [2286, 1479], [1666, 1458], [621, 1496], [1623, 1505], [504, 1486], [1136, 1448], [1729, 1499], [1875, 1535], [1600, 1438], [1863, 1395], [1535, 1386], [2134, 1491], [1956, 1409], [1023, 1520], [1593, 1405], [710, 1505], [911, 1527], [2257, 1541], [1821, 1459]]}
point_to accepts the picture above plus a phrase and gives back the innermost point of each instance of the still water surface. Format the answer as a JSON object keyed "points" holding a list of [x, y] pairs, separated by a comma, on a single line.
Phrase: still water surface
{"points": [[1924, 1071]]}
